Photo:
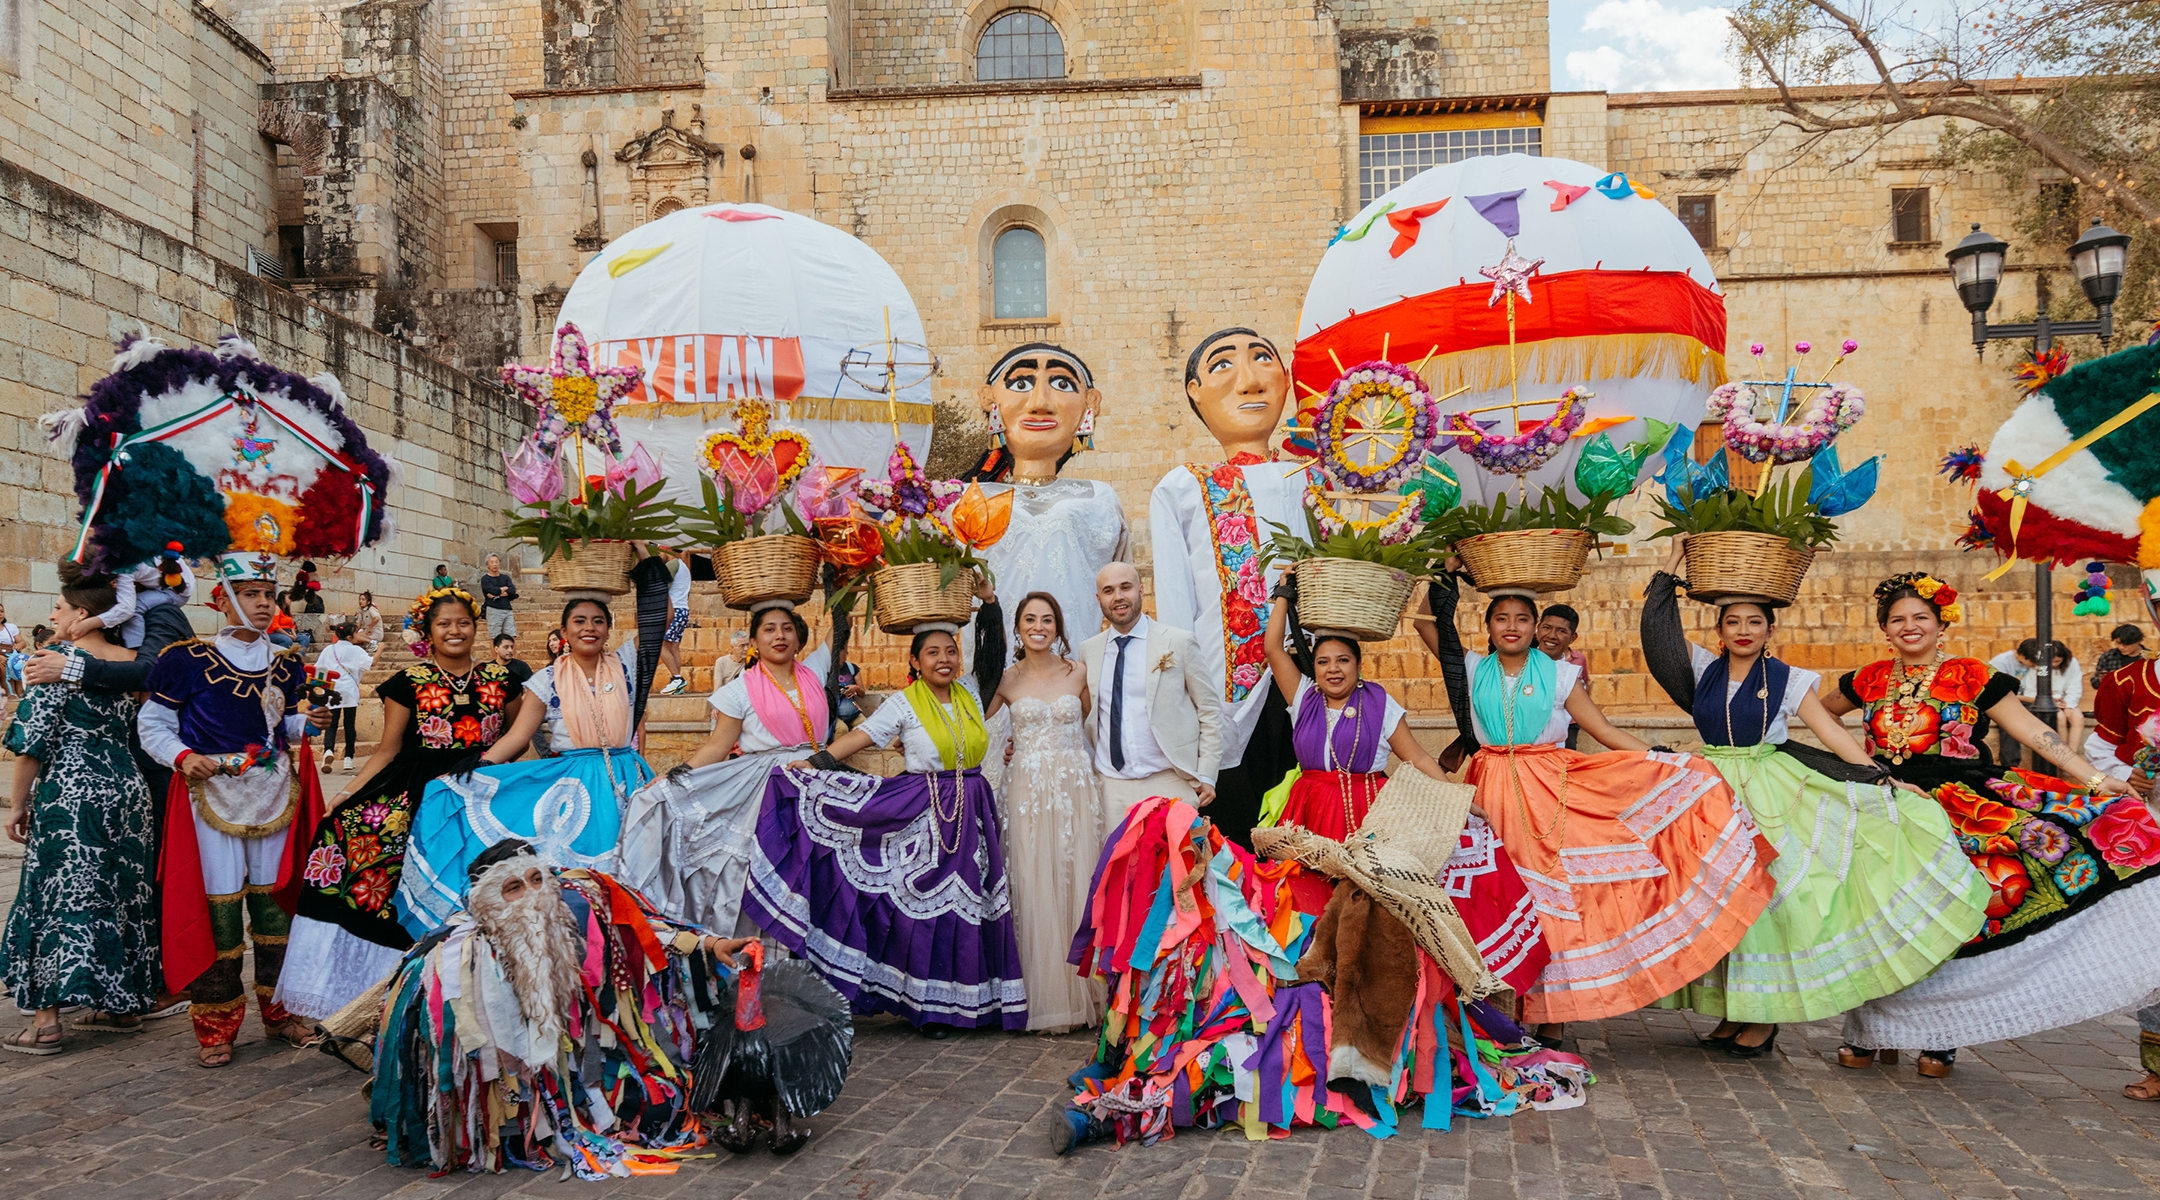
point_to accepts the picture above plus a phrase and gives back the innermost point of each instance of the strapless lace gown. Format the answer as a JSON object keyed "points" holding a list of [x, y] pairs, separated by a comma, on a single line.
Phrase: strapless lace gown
{"points": [[1053, 835]]}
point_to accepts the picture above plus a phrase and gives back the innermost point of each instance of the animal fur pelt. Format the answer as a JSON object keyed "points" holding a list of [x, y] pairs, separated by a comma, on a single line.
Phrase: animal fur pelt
{"points": [[1368, 962]]}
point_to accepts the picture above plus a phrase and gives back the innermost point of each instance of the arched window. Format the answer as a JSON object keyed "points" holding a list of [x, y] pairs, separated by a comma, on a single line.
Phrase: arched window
{"points": [[1020, 45], [1019, 276], [670, 204]]}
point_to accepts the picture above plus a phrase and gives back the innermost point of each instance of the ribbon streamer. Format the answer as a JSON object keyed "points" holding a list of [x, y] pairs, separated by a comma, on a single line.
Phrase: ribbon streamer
{"points": [[2022, 481]]}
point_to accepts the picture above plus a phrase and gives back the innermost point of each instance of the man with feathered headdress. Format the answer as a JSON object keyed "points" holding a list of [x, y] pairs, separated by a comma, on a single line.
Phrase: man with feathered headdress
{"points": [[223, 714]]}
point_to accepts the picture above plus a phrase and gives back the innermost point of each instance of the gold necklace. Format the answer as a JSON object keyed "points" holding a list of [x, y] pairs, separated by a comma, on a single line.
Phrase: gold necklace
{"points": [[1913, 688], [1522, 799], [1020, 480], [801, 712]]}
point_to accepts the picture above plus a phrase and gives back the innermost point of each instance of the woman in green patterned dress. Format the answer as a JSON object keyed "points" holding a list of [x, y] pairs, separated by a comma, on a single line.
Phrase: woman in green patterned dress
{"points": [[80, 932]]}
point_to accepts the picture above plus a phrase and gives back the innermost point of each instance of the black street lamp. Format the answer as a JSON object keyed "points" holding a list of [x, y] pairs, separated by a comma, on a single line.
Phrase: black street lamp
{"points": [[1976, 266]]}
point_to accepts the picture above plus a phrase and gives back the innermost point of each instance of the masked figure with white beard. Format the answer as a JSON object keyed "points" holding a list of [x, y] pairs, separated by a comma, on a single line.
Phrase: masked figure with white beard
{"points": [[553, 1023]]}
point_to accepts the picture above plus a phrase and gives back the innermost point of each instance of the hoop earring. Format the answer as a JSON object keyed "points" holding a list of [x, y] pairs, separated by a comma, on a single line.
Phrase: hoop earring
{"points": [[1084, 437], [997, 424]]}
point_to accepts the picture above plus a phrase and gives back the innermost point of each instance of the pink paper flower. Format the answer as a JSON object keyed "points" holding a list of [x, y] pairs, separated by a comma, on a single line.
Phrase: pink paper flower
{"points": [[531, 474]]}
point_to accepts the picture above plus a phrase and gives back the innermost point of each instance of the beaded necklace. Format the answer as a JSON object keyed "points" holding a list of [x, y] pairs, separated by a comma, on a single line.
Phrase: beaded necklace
{"points": [[938, 814], [794, 701], [1348, 778], [1522, 800]]}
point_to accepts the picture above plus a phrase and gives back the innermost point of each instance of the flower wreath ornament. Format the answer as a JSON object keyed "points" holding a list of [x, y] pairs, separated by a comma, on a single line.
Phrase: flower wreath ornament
{"points": [[1757, 439], [1398, 525], [1524, 452], [1374, 427], [1751, 419], [574, 398], [417, 612]]}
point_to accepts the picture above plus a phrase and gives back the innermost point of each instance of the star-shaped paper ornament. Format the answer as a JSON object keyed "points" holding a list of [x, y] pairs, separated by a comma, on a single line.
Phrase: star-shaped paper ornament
{"points": [[1511, 274], [572, 397]]}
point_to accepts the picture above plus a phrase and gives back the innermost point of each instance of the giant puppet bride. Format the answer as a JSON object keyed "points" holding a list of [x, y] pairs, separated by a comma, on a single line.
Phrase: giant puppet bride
{"points": [[1042, 401]]}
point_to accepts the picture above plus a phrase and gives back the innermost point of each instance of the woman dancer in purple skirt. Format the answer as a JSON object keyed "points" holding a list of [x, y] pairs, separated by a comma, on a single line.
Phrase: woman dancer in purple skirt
{"points": [[894, 889]]}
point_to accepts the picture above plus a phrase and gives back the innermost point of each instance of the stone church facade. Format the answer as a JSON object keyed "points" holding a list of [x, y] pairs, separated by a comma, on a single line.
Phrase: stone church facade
{"points": [[426, 177]]}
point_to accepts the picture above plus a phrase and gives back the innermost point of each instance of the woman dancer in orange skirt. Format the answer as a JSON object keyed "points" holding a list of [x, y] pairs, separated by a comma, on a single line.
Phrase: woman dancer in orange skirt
{"points": [[1645, 869]]}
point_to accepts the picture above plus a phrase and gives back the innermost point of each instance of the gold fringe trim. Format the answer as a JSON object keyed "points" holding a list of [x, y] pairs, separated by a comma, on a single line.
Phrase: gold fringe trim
{"points": [[259, 889], [235, 952], [227, 897], [268, 939], [273, 825], [222, 1006], [801, 408], [1575, 360]]}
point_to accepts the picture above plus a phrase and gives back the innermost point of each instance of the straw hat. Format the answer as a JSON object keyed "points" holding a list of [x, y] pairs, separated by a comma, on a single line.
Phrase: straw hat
{"points": [[1399, 858]]}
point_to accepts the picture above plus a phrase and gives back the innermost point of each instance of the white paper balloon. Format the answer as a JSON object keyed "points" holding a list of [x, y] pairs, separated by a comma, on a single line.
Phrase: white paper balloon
{"points": [[1621, 301]]}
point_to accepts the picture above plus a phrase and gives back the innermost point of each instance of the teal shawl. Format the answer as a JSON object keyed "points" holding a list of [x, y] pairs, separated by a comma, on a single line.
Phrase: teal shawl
{"points": [[1529, 701]]}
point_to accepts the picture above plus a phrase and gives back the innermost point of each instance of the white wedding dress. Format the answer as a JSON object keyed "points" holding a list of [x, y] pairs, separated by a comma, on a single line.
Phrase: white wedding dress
{"points": [[1053, 837]]}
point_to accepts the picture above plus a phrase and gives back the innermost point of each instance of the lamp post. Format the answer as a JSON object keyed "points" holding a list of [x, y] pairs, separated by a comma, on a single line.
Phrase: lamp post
{"points": [[1976, 266]]}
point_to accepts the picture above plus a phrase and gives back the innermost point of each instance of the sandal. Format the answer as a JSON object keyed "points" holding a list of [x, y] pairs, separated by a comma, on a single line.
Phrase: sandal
{"points": [[31, 1039], [106, 1022], [210, 1058], [166, 1006], [2147, 1088], [1937, 1064], [292, 1031], [1859, 1059]]}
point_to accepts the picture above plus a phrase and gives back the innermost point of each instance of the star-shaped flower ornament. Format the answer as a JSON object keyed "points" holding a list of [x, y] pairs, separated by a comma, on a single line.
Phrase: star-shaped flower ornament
{"points": [[906, 493], [573, 397], [1511, 274]]}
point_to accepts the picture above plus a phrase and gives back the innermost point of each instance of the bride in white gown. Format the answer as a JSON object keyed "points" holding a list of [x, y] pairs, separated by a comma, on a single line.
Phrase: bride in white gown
{"points": [[1053, 823]]}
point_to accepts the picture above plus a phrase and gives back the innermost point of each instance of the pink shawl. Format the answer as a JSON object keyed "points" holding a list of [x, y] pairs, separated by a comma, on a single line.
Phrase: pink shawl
{"points": [[777, 713]]}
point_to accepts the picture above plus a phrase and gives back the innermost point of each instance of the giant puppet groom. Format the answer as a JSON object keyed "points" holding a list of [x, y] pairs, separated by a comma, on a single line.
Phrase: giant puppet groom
{"points": [[1209, 526]]}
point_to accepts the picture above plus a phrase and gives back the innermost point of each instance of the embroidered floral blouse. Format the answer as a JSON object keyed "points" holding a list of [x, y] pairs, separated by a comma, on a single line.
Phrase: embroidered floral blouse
{"points": [[453, 712], [1951, 722]]}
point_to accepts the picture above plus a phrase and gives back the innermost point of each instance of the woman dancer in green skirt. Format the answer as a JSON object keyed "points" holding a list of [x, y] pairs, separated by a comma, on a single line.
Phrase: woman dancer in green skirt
{"points": [[1873, 889]]}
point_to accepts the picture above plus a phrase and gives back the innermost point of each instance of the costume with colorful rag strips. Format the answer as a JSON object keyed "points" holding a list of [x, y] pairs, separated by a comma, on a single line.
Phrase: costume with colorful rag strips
{"points": [[240, 461], [551, 1023], [1218, 1016]]}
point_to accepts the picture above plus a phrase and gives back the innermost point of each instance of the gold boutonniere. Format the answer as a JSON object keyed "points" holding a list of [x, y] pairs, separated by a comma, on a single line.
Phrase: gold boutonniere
{"points": [[1167, 661]]}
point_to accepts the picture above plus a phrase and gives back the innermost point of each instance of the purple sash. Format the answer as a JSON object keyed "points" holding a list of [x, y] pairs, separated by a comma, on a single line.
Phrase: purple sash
{"points": [[1359, 741]]}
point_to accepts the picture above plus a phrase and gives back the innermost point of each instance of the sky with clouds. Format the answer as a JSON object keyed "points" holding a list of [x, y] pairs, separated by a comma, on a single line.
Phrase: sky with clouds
{"points": [[1667, 45], [1639, 46]]}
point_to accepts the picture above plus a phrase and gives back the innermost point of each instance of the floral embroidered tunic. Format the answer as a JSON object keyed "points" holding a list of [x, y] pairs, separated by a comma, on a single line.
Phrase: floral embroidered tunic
{"points": [[358, 852], [2048, 848]]}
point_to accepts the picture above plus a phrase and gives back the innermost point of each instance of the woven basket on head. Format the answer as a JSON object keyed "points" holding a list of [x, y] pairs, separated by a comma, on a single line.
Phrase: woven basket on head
{"points": [[1726, 567], [1362, 599], [908, 595], [1522, 562], [594, 566], [1399, 858], [755, 570]]}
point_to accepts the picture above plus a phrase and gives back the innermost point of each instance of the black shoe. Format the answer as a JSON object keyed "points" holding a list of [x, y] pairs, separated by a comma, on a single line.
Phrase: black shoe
{"points": [[1737, 1050], [1717, 1041], [934, 1031], [786, 1137], [1074, 1128]]}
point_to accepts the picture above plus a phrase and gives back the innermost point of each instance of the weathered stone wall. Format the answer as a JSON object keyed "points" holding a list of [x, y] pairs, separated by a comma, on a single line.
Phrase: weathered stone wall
{"points": [[149, 107], [75, 275], [1400, 50], [907, 42]]}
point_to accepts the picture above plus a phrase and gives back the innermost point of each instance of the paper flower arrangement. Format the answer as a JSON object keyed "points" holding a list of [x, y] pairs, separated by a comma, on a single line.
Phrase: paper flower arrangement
{"points": [[572, 397], [906, 492], [1762, 438], [1374, 426], [1521, 453]]}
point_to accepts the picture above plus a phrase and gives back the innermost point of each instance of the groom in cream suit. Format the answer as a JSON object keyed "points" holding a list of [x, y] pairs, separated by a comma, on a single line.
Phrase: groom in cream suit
{"points": [[1157, 725]]}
